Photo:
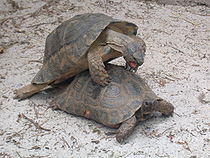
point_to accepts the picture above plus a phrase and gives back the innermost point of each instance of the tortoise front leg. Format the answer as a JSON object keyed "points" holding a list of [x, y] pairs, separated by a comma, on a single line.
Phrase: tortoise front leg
{"points": [[97, 67], [126, 129]]}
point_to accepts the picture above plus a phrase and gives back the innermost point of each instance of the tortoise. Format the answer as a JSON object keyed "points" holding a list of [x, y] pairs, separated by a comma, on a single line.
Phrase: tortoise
{"points": [[121, 104], [84, 42]]}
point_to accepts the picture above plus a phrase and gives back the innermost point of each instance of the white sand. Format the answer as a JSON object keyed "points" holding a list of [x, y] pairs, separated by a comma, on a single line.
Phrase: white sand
{"points": [[177, 67]]}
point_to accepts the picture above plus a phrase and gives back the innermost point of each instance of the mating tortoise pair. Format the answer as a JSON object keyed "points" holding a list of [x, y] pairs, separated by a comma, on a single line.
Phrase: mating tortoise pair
{"points": [[85, 42], [114, 97]]}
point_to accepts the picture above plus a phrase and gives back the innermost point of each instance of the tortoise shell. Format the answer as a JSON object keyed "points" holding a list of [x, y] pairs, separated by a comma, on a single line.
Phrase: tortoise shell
{"points": [[66, 47], [110, 105]]}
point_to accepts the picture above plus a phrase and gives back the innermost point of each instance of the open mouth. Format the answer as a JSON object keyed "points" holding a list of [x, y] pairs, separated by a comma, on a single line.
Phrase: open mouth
{"points": [[131, 66]]}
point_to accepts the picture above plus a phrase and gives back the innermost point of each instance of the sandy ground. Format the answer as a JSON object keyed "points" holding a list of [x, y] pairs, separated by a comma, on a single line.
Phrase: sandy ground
{"points": [[185, 2], [176, 67]]}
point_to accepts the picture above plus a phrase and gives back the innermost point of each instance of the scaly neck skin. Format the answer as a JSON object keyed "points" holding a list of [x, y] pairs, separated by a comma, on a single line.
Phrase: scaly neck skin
{"points": [[142, 117], [149, 106], [117, 41]]}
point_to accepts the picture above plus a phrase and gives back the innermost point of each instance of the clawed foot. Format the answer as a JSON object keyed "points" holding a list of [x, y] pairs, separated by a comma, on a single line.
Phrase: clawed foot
{"points": [[99, 74], [53, 106], [120, 138], [102, 80], [97, 67]]}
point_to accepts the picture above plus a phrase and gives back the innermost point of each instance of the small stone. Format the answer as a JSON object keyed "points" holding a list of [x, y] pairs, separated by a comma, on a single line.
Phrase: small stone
{"points": [[95, 141], [36, 147], [1, 50]]}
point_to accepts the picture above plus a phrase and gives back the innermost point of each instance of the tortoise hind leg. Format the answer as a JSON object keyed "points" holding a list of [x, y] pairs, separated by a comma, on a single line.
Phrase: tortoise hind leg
{"points": [[125, 129], [28, 90]]}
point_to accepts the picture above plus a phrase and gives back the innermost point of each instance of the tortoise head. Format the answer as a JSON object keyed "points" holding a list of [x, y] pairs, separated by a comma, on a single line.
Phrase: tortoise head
{"points": [[135, 53], [164, 107], [150, 106]]}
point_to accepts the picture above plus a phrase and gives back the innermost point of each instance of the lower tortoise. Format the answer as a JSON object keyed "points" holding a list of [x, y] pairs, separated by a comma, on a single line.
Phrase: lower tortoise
{"points": [[122, 104], [84, 42]]}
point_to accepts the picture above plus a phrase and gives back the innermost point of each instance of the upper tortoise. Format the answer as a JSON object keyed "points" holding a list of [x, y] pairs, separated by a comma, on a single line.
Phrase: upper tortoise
{"points": [[123, 103], [84, 42]]}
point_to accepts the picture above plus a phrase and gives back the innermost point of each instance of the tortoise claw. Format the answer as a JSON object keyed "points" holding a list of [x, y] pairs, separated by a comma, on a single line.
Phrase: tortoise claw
{"points": [[102, 80], [53, 106], [119, 139]]}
